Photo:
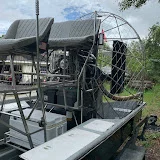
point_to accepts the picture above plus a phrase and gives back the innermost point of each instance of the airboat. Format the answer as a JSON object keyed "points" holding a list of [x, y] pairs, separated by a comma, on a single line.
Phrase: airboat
{"points": [[83, 105]]}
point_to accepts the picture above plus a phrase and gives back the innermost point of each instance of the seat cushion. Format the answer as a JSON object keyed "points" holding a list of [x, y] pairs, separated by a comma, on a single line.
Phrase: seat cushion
{"points": [[73, 33], [22, 33], [27, 28], [71, 41], [10, 44]]}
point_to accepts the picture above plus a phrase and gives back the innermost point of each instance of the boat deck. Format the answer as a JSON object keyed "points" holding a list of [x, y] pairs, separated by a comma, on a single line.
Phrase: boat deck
{"points": [[81, 140]]}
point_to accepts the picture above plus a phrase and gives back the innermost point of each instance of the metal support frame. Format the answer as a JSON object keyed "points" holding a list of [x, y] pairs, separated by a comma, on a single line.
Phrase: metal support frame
{"points": [[22, 116], [18, 102], [4, 97], [83, 72], [15, 92], [34, 107], [23, 120], [40, 94], [64, 72], [32, 69], [40, 100], [82, 93]]}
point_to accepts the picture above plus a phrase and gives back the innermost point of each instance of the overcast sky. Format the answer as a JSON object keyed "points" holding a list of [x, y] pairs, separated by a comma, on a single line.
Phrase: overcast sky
{"points": [[141, 19]]}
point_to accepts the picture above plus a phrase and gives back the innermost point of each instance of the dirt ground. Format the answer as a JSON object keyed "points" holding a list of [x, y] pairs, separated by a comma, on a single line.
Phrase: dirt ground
{"points": [[153, 152], [152, 145]]}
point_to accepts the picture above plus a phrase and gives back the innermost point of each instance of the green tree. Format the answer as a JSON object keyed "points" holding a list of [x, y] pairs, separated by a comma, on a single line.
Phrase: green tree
{"points": [[135, 57], [125, 4], [152, 48]]}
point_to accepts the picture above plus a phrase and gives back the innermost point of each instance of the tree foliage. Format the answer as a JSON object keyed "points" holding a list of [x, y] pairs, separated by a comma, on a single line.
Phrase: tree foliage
{"points": [[152, 49], [135, 57], [152, 53], [126, 4]]}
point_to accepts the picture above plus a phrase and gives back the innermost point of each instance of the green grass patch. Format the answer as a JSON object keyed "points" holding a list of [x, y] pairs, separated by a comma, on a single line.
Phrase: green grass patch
{"points": [[152, 98], [150, 137]]}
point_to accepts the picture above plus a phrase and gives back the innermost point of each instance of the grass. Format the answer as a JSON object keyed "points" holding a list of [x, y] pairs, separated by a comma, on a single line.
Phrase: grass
{"points": [[152, 98], [152, 143], [151, 138]]}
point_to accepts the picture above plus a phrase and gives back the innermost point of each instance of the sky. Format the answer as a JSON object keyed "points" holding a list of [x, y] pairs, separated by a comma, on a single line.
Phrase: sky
{"points": [[141, 19]]}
